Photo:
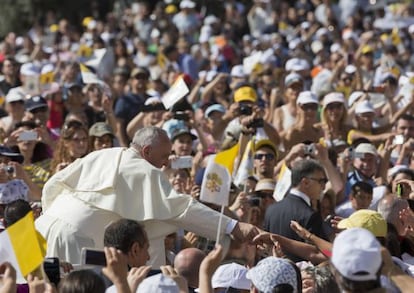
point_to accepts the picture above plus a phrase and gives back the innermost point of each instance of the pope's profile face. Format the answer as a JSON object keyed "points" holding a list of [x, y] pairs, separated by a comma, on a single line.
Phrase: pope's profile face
{"points": [[159, 153]]}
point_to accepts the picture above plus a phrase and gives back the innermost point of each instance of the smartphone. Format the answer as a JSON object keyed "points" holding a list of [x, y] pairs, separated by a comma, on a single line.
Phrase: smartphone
{"points": [[184, 162], [92, 256], [180, 115], [398, 139], [27, 135], [51, 266], [350, 58], [400, 190]]}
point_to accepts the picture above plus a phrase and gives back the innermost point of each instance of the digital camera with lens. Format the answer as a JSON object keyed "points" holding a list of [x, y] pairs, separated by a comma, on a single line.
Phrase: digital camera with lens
{"points": [[9, 169], [245, 110]]}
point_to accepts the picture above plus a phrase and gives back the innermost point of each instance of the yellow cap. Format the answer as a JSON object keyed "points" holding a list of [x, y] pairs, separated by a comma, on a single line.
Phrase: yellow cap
{"points": [[171, 9], [367, 49], [367, 219], [54, 28], [86, 21], [265, 143], [245, 93]]}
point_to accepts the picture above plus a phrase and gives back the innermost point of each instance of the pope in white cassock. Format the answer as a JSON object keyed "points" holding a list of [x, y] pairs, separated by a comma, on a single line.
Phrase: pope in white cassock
{"points": [[79, 201]]}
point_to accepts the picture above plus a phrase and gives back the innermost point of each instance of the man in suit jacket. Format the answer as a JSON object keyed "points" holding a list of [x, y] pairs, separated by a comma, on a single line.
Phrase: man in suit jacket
{"points": [[308, 182]]}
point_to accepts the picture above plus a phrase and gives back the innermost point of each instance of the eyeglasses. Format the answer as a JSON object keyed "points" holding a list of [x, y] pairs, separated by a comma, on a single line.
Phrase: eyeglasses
{"points": [[321, 181], [263, 194], [267, 157], [309, 107], [334, 106]]}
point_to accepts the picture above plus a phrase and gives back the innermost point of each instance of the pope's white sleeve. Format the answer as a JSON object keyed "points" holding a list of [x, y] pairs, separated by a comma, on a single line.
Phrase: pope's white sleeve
{"points": [[203, 220]]}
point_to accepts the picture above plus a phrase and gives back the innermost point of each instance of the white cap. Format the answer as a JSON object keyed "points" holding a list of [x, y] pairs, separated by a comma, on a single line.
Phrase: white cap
{"points": [[238, 71], [350, 69], [293, 44], [353, 97], [348, 34], [364, 107], [14, 95], [307, 97], [187, 4], [292, 78], [153, 100], [211, 75], [366, 148], [296, 64], [305, 25], [335, 47], [210, 19], [411, 29], [47, 68], [334, 97], [265, 184], [29, 69], [356, 251], [316, 46], [231, 275], [321, 32]]}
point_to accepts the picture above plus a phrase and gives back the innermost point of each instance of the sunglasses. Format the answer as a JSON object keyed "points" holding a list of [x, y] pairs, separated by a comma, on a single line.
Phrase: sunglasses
{"points": [[262, 194], [309, 107], [319, 180], [334, 106], [267, 157]]}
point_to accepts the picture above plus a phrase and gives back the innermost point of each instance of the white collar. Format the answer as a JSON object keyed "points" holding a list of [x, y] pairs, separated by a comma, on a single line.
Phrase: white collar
{"points": [[300, 194]]}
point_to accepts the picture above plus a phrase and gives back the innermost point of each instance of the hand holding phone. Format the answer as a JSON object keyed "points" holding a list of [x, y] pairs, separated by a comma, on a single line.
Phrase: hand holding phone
{"points": [[184, 162], [28, 135]]}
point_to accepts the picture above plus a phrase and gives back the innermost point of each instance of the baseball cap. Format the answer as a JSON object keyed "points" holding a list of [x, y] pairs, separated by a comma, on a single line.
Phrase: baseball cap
{"points": [[237, 71], [296, 64], [265, 142], [367, 219], [187, 4], [216, 107], [367, 49], [7, 152], [29, 69], [14, 95], [353, 97], [350, 69], [272, 271], [100, 129], [245, 93], [364, 107], [334, 97], [231, 275], [366, 148], [307, 97], [158, 283], [265, 184], [292, 78], [356, 254], [35, 102], [182, 131]]}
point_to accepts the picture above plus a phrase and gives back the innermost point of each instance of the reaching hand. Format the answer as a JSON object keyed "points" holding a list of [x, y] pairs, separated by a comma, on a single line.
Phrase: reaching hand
{"points": [[9, 277], [245, 232], [302, 232], [212, 261], [116, 265], [169, 271], [136, 275]]}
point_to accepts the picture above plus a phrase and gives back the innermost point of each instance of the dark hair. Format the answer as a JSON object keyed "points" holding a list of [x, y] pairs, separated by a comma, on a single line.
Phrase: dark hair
{"points": [[323, 278], [361, 186], [304, 168], [407, 117], [82, 281], [359, 286], [16, 210], [123, 233]]}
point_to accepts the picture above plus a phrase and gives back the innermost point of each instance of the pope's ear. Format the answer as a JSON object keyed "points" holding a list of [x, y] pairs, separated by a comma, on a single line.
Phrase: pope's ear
{"points": [[145, 151]]}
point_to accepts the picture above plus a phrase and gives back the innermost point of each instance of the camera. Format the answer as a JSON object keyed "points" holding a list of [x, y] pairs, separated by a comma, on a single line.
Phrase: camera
{"points": [[8, 169], [254, 201], [309, 149], [245, 110], [181, 115], [256, 123]]}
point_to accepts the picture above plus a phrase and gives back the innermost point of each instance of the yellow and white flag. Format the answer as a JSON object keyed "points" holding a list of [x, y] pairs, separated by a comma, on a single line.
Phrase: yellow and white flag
{"points": [[246, 167], [284, 182], [22, 246], [178, 90], [217, 177], [88, 76]]}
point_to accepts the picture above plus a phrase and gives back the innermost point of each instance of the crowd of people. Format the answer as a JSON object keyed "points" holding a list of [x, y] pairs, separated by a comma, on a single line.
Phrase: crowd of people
{"points": [[318, 96]]}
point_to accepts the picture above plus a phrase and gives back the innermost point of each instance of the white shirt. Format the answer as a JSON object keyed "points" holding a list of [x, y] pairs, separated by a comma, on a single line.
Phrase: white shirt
{"points": [[300, 194]]}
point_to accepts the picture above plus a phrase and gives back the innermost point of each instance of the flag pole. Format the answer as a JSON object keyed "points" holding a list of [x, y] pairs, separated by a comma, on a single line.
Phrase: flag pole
{"points": [[219, 224]]}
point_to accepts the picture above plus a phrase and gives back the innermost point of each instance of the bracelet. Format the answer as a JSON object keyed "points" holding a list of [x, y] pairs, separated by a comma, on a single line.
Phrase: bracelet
{"points": [[108, 113], [308, 238]]}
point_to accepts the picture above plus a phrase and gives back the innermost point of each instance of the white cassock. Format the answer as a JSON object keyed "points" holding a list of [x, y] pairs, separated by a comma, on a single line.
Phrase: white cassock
{"points": [[82, 199]]}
